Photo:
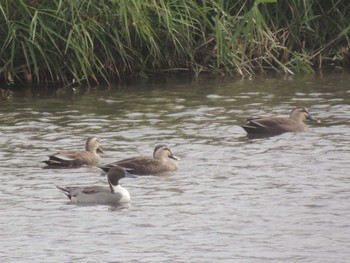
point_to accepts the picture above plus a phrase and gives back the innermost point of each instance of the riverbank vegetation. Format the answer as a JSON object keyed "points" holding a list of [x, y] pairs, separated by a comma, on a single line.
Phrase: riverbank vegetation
{"points": [[63, 41]]}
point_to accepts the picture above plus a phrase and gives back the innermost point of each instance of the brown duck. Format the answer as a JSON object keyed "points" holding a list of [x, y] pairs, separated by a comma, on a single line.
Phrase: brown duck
{"points": [[160, 163], [279, 125], [77, 158]]}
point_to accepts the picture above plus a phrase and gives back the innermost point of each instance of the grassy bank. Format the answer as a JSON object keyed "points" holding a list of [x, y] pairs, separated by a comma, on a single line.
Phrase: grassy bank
{"points": [[62, 41]]}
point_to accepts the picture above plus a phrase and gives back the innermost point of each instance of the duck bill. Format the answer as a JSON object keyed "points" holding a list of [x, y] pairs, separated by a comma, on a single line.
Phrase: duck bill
{"points": [[313, 119], [99, 150], [174, 157]]}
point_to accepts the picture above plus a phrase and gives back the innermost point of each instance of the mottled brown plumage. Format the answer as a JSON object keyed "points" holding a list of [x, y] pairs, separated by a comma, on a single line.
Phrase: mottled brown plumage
{"points": [[77, 158], [160, 163], [279, 125]]}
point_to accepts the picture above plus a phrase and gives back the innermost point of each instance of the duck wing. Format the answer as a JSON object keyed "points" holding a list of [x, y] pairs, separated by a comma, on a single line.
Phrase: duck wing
{"points": [[70, 159], [269, 125], [138, 166]]}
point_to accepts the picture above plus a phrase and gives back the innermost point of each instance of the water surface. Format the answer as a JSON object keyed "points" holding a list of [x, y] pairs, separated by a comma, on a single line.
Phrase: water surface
{"points": [[234, 199]]}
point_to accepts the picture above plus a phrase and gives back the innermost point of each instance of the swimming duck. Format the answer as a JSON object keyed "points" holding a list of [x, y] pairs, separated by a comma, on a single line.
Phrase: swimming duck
{"points": [[5, 94], [77, 158], [160, 163], [113, 195], [279, 125]]}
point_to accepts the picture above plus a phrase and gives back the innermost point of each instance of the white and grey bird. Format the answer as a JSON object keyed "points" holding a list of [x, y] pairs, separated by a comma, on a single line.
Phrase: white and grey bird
{"points": [[113, 195]]}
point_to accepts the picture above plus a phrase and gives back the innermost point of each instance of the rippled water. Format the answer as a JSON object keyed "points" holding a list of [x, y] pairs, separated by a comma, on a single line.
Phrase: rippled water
{"points": [[234, 199]]}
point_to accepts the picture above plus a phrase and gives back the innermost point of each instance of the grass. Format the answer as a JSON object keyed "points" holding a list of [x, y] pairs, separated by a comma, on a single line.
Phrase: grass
{"points": [[69, 41]]}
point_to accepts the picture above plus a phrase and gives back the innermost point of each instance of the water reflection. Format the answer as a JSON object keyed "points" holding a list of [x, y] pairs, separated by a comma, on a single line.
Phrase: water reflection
{"points": [[235, 199]]}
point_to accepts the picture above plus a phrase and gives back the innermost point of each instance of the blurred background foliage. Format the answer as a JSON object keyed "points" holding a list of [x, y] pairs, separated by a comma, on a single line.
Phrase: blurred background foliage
{"points": [[87, 41]]}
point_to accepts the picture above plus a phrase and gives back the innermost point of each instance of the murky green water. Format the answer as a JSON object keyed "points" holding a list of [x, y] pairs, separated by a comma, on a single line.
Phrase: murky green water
{"points": [[234, 199]]}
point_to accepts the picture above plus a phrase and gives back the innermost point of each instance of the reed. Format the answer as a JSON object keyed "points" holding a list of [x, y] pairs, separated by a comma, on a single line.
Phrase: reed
{"points": [[67, 41]]}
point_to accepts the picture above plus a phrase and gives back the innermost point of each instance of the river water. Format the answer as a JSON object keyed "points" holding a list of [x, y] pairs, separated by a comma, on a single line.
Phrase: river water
{"points": [[234, 199]]}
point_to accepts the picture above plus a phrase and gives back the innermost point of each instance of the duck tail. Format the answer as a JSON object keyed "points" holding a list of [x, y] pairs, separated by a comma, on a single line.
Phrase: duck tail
{"points": [[65, 191]]}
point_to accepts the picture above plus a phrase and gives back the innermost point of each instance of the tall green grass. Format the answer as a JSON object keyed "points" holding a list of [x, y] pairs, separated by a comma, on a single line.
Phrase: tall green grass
{"points": [[66, 41]]}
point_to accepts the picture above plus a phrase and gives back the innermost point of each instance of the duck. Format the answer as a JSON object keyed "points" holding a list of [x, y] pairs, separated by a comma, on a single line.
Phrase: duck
{"points": [[5, 94], [161, 162], [69, 159], [279, 125], [115, 194]]}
